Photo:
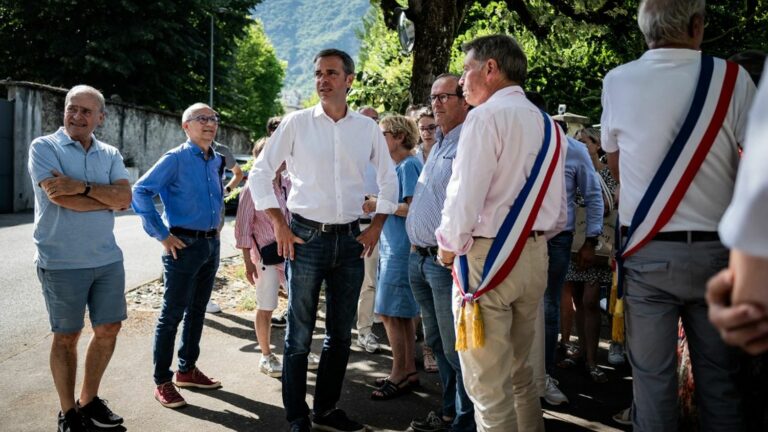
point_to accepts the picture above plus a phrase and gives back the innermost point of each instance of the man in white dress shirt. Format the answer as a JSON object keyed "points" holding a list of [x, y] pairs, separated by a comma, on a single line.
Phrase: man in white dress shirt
{"points": [[499, 141], [327, 149], [645, 103]]}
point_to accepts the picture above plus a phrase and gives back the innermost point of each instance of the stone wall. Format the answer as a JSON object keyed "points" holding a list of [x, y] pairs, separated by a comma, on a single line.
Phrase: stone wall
{"points": [[141, 134]]}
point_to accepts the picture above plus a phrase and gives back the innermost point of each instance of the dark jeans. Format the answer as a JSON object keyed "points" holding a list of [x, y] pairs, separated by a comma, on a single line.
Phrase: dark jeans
{"points": [[559, 248], [188, 284], [431, 285], [334, 258]]}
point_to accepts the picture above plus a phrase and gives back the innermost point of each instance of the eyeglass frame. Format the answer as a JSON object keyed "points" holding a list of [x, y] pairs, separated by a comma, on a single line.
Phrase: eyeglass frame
{"points": [[430, 128], [442, 97], [214, 118]]}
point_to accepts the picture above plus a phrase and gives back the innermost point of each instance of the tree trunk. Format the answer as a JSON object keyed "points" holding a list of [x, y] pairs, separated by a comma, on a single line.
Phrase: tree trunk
{"points": [[436, 23]]}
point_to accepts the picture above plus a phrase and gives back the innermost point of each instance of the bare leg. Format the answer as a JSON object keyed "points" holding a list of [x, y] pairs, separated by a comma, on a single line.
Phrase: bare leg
{"points": [[591, 306], [577, 292], [566, 314], [63, 362], [263, 327], [97, 357], [409, 332]]}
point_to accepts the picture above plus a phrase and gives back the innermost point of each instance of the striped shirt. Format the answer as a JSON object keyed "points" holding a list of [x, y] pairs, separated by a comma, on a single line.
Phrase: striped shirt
{"points": [[254, 227], [425, 209]]}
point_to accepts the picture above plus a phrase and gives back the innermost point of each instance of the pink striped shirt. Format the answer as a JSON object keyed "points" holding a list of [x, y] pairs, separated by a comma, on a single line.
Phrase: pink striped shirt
{"points": [[254, 227]]}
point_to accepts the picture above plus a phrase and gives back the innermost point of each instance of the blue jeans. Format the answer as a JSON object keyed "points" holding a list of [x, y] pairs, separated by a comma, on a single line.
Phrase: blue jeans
{"points": [[188, 284], [559, 248], [334, 258], [431, 285]]}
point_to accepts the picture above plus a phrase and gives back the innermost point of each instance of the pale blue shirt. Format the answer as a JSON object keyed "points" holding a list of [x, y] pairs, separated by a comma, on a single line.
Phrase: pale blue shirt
{"points": [[429, 196], [580, 172], [68, 239]]}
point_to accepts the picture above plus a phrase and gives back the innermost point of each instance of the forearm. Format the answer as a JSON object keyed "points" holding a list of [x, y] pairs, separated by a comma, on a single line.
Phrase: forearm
{"points": [[79, 203], [235, 180], [116, 196], [276, 217], [402, 210], [750, 278]]}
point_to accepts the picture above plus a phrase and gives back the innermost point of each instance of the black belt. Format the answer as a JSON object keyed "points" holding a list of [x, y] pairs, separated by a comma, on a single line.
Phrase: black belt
{"points": [[426, 251], [364, 221], [328, 228], [194, 233], [682, 236]]}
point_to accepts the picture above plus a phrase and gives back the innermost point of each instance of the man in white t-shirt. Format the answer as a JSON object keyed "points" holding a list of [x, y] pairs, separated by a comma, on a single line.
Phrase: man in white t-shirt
{"points": [[644, 105]]}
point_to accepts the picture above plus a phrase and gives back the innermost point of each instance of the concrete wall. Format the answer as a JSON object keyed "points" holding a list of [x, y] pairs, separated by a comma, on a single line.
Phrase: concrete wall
{"points": [[141, 134]]}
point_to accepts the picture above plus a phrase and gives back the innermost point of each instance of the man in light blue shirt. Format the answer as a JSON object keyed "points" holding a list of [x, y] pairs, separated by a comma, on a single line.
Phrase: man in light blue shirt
{"points": [[78, 182], [432, 283], [188, 180]]}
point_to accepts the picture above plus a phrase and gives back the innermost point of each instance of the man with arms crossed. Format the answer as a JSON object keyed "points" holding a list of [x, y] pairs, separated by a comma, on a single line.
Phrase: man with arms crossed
{"points": [[79, 181], [500, 139], [327, 149], [188, 180]]}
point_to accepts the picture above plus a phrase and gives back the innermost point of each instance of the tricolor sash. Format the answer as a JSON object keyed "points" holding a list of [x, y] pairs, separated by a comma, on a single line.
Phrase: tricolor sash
{"points": [[513, 234], [711, 100]]}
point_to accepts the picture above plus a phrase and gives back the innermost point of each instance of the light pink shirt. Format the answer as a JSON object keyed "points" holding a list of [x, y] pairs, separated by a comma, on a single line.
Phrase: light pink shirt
{"points": [[499, 142]]}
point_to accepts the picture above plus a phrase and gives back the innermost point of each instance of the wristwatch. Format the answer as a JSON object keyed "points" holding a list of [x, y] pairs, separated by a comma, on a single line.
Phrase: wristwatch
{"points": [[87, 188], [591, 240], [228, 189], [444, 264]]}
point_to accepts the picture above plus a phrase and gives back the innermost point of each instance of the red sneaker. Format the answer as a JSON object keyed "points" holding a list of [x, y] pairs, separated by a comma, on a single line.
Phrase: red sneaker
{"points": [[195, 378], [168, 396]]}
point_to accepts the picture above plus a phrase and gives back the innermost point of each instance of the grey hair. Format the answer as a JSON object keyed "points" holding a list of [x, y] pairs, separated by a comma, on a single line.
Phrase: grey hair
{"points": [[349, 64], [85, 89], [505, 50], [668, 20], [193, 109]]}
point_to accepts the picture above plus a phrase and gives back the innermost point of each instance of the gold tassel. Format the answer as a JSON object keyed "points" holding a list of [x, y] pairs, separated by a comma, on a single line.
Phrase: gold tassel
{"points": [[617, 333], [461, 331], [478, 329]]}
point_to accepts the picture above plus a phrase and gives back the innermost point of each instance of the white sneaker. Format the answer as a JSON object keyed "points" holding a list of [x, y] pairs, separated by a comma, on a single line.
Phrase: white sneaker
{"points": [[553, 395], [624, 417], [270, 366], [368, 341], [212, 308], [616, 354], [313, 361]]}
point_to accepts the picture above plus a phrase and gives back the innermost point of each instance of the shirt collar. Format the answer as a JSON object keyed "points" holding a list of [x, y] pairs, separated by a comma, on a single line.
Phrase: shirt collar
{"points": [[455, 132], [195, 150], [318, 111], [65, 139], [671, 54], [513, 90]]}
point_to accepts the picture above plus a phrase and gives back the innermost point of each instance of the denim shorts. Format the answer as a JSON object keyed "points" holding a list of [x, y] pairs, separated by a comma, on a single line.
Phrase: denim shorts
{"points": [[68, 292]]}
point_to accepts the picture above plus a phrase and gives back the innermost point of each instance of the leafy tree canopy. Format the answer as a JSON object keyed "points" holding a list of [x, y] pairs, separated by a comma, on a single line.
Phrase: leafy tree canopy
{"points": [[150, 53]]}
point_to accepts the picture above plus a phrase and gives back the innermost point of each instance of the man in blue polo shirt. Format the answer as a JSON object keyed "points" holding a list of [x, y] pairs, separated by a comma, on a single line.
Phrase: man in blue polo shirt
{"points": [[78, 182], [188, 180]]}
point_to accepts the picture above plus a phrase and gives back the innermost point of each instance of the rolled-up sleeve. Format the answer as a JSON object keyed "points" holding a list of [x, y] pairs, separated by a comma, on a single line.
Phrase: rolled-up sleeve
{"points": [[589, 184], [277, 150], [386, 178]]}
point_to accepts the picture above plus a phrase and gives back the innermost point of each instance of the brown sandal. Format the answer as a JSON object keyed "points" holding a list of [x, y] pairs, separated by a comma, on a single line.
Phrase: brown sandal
{"points": [[378, 382]]}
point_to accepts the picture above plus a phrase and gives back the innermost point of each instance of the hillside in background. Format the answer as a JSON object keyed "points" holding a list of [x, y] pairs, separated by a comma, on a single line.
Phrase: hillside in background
{"points": [[298, 29]]}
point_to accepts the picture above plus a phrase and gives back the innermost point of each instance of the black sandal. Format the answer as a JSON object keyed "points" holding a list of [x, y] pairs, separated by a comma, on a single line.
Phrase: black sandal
{"points": [[390, 390], [378, 382]]}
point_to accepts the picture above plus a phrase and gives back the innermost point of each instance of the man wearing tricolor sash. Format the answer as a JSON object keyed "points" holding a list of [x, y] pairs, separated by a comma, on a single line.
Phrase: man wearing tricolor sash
{"points": [[672, 123], [506, 191]]}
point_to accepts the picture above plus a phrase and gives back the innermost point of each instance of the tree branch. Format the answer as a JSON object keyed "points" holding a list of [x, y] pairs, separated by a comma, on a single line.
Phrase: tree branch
{"points": [[390, 7], [528, 20], [599, 16]]}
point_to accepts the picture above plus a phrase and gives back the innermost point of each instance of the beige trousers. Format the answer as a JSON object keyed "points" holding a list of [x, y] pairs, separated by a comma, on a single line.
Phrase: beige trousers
{"points": [[368, 293], [498, 377]]}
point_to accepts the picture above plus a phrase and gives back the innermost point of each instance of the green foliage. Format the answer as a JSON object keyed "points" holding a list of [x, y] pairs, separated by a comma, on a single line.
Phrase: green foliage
{"points": [[300, 28], [568, 64], [383, 75], [255, 81], [149, 53]]}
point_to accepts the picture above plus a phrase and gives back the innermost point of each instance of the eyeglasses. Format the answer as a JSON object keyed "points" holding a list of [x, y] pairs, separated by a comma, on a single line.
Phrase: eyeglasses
{"points": [[430, 128], [205, 119], [442, 97]]}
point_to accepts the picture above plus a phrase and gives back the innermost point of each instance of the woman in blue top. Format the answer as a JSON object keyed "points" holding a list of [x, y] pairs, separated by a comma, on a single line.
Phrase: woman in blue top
{"points": [[394, 299]]}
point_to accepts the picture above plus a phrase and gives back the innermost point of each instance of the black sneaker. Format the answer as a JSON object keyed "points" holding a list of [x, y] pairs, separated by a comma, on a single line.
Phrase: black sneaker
{"points": [[71, 422], [98, 414], [300, 425], [433, 423], [336, 421], [279, 321]]}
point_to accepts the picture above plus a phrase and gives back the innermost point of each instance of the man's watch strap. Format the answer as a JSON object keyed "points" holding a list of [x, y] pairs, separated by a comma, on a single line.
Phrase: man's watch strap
{"points": [[87, 188]]}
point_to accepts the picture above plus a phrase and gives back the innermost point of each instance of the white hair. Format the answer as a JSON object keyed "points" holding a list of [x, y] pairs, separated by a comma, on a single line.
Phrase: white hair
{"points": [[667, 20], [85, 89], [194, 108]]}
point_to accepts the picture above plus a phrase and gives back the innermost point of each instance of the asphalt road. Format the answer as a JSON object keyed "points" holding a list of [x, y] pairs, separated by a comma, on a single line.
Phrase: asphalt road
{"points": [[23, 318]]}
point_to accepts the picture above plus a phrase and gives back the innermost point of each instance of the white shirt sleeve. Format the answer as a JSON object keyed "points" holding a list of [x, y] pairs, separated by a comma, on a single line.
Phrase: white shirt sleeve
{"points": [[277, 150], [386, 178]]}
